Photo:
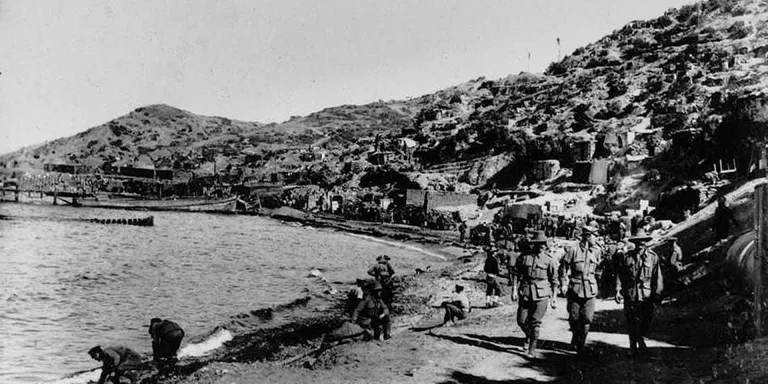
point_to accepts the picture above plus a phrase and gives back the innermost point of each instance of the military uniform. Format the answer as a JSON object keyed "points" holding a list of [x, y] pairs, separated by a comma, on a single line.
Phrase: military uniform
{"points": [[462, 231], [640, 283], [537, 273], [166, 340], [383, 273], [372, 314], [117, 360], [582, 262], [492, 269]]}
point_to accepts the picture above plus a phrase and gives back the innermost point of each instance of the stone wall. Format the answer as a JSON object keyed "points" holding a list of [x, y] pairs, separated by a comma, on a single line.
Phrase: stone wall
{"points": [[438, 198]]}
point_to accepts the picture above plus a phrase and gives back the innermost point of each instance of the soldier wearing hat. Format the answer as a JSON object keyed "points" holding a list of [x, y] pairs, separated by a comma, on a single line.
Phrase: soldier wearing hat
{"points": [[579, 265], [536, 271], [382, 271], [372, 314], [639, 285]]}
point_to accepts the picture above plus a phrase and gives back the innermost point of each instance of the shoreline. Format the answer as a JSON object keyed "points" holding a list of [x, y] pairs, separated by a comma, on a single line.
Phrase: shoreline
{"points": [[282, 342], [285, 331]]}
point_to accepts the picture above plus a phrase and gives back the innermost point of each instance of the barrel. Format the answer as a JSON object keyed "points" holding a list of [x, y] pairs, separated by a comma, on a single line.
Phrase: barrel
{"points": [[740, 258]]}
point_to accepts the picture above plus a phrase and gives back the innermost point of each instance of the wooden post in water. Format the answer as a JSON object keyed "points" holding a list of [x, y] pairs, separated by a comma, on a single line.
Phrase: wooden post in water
{"points": [[761, 239], [16, 194], [54, 196]]}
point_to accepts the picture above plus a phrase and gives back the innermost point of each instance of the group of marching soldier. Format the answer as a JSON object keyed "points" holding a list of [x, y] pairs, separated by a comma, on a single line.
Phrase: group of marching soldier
{"points": [[537, 277]]}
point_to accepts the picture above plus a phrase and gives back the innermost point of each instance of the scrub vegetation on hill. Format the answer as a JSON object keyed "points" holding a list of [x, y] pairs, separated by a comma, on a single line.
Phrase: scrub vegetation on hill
{"points": [[684, 91]]}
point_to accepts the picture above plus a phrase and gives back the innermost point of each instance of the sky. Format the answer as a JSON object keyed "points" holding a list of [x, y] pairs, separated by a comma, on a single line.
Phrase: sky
{"points": [[66, 66]]}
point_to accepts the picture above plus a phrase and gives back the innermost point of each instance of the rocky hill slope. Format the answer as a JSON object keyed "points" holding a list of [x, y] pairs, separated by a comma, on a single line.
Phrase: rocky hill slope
{"points": [[675, 94]]}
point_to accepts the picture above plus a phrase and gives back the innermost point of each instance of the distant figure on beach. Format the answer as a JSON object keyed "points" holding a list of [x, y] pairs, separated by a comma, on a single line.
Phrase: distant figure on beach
{"points": [[166, 340], [456, 307], [536, 272], [116, 361], [462, 231], [723, 220], [492, 269], [372, 314], [382, 271]]}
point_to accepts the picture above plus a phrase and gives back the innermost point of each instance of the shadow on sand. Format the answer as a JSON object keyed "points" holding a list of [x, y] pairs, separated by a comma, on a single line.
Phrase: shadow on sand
{"points": [[694, 336]]}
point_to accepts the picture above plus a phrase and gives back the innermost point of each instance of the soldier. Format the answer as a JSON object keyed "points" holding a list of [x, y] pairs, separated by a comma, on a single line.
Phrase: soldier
{"points": [[372, 315], [462, 231], [117, 360], [383, 272], [537, 274], [512, 254], [581, 261], [622, 230], [166, 340], [492, 269], [357, 294], [456, 307], [491, 233], [676, 259], [555, 226], [639, 285], [724, 218]]}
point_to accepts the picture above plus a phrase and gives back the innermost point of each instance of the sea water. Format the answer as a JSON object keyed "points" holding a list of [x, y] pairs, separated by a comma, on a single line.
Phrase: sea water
{"points": [[67, 284]]}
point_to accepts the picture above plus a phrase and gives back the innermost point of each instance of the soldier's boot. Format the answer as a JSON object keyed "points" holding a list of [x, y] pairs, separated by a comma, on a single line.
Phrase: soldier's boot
{"points": [[532, 346], [527, 338], [574, 339], [583, 338], [632, 346], [642, 348]]}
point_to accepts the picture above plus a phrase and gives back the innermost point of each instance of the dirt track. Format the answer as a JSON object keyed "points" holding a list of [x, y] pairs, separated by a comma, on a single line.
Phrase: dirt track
{"points": [[487, 348]]}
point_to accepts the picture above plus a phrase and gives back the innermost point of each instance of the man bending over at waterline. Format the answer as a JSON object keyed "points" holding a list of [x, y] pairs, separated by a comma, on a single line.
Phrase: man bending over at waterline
{"points": [[166, 340], [118, 360]]}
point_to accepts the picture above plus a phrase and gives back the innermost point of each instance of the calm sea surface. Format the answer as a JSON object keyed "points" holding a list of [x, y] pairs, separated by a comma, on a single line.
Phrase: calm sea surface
{"points": [[67, 284]]}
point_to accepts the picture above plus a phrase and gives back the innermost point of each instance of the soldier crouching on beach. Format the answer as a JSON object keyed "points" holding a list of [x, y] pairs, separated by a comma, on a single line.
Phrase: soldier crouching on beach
{"points": [[357, 294], [166, 340], [581, 261], [639, 286], [372, 314], [116, 361], [537, 274]]}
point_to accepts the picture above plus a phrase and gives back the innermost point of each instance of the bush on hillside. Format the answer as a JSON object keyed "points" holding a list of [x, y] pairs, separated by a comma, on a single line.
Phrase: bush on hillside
{"points": [[687, 13], [556, 69], [725, 6], [739, 30]]}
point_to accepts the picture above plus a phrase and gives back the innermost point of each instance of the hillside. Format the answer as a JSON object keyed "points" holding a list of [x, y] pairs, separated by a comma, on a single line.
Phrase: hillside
{"points": [[675, 95]]}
